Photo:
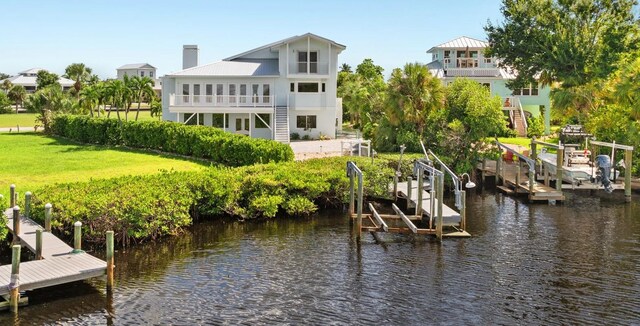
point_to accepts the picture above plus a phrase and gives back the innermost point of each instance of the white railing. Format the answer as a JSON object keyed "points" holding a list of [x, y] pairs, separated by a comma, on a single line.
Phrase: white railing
{"points": [[472, 72], [314, 68], [223, 100], [511, 104]]}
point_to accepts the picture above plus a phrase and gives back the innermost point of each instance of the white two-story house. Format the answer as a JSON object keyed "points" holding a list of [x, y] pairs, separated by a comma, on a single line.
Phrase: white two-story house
{"points": [[272, 91]]}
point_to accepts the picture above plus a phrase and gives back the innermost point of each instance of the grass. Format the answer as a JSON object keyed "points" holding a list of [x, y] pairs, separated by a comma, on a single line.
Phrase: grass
{"points": [[522, 141], [30, 160], [27, 120]]}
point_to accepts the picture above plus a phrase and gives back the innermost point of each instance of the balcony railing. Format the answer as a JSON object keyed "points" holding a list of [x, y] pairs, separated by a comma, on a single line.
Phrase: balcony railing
{"points": [[223, 100], [475, 72], [314, 68]]}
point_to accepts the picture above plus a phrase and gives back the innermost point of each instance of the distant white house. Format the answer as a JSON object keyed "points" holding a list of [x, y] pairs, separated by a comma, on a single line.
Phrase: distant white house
{"points": [[269, 92], [27, 79], [140, 70]]}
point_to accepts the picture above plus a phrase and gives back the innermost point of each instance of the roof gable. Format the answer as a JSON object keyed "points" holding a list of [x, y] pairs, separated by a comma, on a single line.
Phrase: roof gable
{"points": [[285, 41], [461, 42], [136, 66]]}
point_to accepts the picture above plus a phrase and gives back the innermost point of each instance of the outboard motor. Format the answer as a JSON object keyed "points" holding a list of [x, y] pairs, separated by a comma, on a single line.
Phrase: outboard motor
{"points": [[603, 164]]}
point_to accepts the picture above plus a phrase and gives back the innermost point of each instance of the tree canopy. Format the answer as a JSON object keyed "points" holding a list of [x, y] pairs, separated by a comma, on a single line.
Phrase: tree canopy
{"points": [[571, 42], [45, 78]]}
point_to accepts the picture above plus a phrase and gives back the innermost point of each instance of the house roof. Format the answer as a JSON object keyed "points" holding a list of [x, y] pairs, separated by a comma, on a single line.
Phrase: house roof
{"points": [[285, 41], [31, 80], [238, 68], [461, 42], [136, 66], [30, 71]]}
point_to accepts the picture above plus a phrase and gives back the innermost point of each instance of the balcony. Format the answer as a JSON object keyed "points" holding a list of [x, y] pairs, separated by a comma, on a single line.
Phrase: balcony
{"points": [[221, 103], [314, 69], [472, 72]]}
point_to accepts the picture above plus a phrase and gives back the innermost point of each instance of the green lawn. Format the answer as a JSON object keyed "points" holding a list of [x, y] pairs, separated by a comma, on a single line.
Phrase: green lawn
{"points": [[30, 160], [522, 141], [27, 120]]}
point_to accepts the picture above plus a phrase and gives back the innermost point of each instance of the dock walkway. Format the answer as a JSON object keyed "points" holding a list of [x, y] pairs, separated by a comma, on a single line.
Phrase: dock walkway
{"points": [[58, 266], [449, 216], [513, 180]]}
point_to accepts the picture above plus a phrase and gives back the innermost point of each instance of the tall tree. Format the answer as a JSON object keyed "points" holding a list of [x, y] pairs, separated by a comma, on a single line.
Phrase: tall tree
{"points": [[4, 76], [142, 88], [413, 94], [117, 93], [345, 68], [5, 103], [17, 94], [6, 85], [571, 42], [45, 78], [79, 73], [89, 97]]}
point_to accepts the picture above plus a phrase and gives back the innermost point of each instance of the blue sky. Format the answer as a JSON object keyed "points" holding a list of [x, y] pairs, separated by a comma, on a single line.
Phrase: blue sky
{"points": [[107, 34]]}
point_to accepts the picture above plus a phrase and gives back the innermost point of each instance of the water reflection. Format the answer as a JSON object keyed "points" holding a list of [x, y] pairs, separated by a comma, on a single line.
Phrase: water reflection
{"points": [[543, 264]]}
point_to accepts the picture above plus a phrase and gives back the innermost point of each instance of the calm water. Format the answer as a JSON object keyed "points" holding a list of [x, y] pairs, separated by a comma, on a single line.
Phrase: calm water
{"points": [[577, 263]]}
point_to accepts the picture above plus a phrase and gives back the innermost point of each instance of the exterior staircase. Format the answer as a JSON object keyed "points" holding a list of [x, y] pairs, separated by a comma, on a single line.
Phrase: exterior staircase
{"points": [[281, 132], [519, 125]]}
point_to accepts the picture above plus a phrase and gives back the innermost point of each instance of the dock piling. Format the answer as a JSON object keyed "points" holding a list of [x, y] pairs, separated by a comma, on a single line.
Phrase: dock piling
{"points": [[14, 285], [484, 169], [27, 204], [395, 187], [47, 217], [16, 224], [12, 195], [498, 170], [409, 185], [517, 178], [77, 237], [439, 193], [38, 244], [420, 186], [559, 162], [627, 175], [463, 211], [110, 265]]}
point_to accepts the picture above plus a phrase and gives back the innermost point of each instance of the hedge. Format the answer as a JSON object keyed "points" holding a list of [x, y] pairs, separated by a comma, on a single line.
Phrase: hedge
{"points": [[196, 141], [147, 207]]}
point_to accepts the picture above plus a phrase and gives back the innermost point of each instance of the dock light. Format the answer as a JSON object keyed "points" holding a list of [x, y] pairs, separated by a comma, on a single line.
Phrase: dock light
{"points": [[469, 184]]}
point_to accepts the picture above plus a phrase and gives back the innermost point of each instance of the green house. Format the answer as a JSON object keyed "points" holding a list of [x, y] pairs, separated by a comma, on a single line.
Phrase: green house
{"points": [[464, 58]]}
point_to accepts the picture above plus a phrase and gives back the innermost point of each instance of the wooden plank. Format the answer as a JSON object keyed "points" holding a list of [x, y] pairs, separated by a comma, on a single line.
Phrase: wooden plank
{"points": [[506, 190], [408, 222], [450, 216], [378, 218]]}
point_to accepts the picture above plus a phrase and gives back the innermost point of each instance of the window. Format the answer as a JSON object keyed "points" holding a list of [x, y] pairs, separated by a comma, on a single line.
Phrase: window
{"points": [[220, 93], [487, 60], [487, 85], [324, 88], [292, 87], [208, 91], [238, 124], [266, 117], [532, 90], [310, 58], [266, 98], [232, 93], [218, 122], [196, 93], [307, 87], [151, 74], [142, 74], [447, 54], [254, 93], [306, 121], [192, 119], [246, 124], [185, 93], [243, 93]]}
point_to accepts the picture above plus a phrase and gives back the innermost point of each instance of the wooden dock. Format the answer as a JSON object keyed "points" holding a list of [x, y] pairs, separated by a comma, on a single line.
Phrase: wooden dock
{"points": [[514, 180], [59, 263]]}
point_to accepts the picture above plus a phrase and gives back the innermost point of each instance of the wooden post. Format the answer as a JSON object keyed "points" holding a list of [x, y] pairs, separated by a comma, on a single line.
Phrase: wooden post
{"points": [[12, 195], [545, 170], [484, 168], [532, 182], [498, 169], [409, 185], [420, 194], [534, 147], [16, 224], [517, 178], [395, 187], [14, 285], [440, 197], [38, 244], [463, 211], [47, 217], [352, 203], [627, 175], [27, 204], [559, 162], [110, 265], [77, 237]]}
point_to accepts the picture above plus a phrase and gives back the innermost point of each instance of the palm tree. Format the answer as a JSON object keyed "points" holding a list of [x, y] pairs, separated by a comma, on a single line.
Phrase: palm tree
{"points": [[6, 85], [117, 92], [345, 68], [142, 87], [79, 73], [89, 98], [17, 94]]}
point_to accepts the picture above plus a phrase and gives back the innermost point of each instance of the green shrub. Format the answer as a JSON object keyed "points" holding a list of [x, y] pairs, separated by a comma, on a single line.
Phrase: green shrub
{"points": [[146, 207], [535, 126], [197, 141], [294, 136]]}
